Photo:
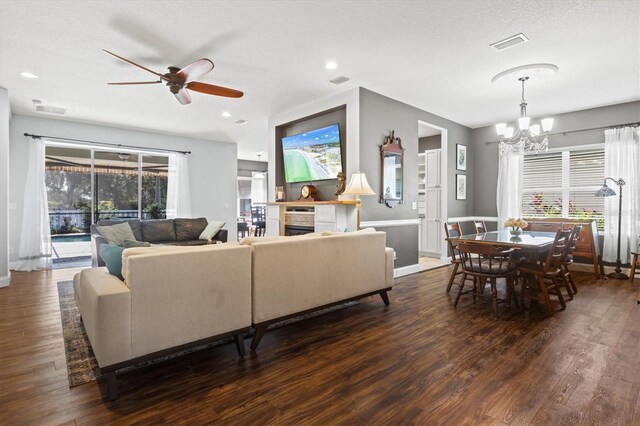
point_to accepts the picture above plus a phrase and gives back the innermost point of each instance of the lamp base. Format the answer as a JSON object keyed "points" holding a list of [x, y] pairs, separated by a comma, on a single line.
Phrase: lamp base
{"points": [[618, 276]]}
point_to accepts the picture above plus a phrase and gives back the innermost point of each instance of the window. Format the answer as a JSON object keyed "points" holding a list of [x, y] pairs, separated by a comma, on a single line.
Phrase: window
{"points": [[563, 184]]}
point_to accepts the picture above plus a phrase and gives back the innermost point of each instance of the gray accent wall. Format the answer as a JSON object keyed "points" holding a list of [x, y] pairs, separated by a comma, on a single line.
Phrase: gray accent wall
{"points": [[5, 115], [212, 166], [485, 157], [378, 116]]}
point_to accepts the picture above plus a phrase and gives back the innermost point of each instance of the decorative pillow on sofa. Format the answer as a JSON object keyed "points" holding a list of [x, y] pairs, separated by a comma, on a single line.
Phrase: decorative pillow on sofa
{"points": [[116, 234], [190, 229], [158, 230], [212, 229], [134, 243], [133, 223], [112, 256]]}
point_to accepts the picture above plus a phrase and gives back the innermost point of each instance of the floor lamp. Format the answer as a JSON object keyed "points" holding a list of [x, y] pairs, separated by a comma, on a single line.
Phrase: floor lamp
{"points": [[358, 186], [605, 191]]}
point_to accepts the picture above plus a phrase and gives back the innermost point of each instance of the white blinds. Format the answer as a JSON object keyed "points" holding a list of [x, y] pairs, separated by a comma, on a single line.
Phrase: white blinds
{"points": [[542, 185], [563, 184]]}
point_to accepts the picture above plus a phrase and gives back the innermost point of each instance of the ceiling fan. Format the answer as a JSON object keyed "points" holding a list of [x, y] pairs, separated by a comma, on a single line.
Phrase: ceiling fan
{"points": [[179, 80]]}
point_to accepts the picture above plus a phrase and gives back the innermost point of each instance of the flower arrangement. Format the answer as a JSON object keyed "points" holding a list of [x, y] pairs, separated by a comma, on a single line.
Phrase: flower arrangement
{"points": [[516, 225]]}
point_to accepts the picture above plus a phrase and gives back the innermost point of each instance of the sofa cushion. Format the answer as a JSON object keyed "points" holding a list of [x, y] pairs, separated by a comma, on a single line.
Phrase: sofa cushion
{"points": [[158, 230], [134, 243], [133, 223], [189, 229], [212, 229], [112, 256], [116, 234]]}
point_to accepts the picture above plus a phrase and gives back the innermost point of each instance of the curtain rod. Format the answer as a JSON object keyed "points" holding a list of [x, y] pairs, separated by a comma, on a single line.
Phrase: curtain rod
{"points": [[117, 145], [584, 130]]}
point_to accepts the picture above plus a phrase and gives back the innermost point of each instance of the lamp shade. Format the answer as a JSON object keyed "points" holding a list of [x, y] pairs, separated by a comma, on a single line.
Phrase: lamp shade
{"points": [[358, 185], [605, 191]]}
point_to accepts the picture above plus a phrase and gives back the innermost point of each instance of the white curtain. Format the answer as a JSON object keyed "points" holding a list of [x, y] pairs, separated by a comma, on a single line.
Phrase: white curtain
{"points": [[35, 234], [509, 190], [622, 160], [258, 187], [178, 193]]}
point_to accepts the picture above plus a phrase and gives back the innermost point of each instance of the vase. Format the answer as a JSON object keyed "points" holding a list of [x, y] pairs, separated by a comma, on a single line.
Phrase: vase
{"points": [[516, 232]]}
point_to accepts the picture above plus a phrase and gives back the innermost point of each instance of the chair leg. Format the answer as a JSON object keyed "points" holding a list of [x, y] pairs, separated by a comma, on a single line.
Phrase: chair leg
{"points": [[453, 276], [545, 294], [559, 291], [239, 339], [566, 285], [259, 334], [567, 273], [385, 297], [514, 294], [461, 286], [494, 296]]}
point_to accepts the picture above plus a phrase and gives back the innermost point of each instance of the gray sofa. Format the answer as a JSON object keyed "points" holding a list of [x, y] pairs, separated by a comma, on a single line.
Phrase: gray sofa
{"points": [[174, 232]]}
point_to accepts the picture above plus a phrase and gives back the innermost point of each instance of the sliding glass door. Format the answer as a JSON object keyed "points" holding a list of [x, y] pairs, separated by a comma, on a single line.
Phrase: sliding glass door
{"points": [[115, 181]]}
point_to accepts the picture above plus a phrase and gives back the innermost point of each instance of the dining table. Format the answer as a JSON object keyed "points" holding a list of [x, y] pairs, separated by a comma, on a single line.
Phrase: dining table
{"points": [[530, 240]]}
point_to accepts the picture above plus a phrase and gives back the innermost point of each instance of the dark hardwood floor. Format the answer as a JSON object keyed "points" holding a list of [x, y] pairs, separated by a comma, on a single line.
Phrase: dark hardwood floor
{"points": [[416, 361]]}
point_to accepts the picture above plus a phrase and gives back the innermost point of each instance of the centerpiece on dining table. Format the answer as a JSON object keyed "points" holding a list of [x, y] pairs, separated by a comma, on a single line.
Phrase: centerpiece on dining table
{"points": [[516, 225]]}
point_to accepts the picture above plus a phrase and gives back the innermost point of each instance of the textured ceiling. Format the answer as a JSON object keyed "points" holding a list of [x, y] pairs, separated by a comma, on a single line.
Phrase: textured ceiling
{"points": [[434, 55]]}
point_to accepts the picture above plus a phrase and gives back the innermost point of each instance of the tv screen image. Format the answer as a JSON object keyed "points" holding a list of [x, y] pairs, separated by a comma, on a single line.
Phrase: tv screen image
{"points": [[313, 155]]}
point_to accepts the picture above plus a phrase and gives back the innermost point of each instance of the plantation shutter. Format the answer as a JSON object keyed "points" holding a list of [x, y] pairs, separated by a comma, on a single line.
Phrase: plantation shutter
{"points": [[586, 171]]}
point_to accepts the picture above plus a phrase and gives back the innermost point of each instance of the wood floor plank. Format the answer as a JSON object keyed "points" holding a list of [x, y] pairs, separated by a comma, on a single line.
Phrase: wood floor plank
{"points": [[417, 361]]}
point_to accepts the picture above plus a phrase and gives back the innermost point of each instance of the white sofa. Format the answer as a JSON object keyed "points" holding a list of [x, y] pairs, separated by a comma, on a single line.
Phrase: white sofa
{"points": [[294, 275], [172, 298]]}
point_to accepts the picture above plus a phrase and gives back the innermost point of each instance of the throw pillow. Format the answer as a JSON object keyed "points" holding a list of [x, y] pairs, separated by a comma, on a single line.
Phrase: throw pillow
{"points": [[134, 243], [116, 234], [212, 229], [190, 229], [112, 256]]}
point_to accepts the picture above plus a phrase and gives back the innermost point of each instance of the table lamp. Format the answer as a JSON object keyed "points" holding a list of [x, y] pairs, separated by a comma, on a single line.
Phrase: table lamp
{"points": [[605, 191], [358, 186]]}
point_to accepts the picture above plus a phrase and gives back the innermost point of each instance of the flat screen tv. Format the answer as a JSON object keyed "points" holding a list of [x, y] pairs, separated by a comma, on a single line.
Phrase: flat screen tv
{"points": [[312, 155]]}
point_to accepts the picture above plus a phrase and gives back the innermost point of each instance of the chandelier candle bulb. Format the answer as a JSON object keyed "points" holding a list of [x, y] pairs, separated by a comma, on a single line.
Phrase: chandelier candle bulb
{"points": [[547, 124], [501, 128], [523, 122]]}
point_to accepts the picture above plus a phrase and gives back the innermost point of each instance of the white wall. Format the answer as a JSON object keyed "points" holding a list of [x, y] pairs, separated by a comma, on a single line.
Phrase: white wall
{"points": [[212, 166], [5, 115]]}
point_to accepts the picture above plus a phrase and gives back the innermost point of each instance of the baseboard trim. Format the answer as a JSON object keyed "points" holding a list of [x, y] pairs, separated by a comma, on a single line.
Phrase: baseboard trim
{"points": [[406, 270], [5, 281], [389, 223]]}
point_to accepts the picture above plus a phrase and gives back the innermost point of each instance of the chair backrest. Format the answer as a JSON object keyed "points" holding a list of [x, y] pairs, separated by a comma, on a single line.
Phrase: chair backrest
{"points": [[260, 229], [575, 236], [485, 259], [257, 214], [480, 226], [558, 251], [452, 230]]}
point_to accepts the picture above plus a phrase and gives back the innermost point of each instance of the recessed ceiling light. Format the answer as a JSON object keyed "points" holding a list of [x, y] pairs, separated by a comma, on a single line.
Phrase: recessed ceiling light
{"points": [[226, 114], [331, 65], [27, 74]]}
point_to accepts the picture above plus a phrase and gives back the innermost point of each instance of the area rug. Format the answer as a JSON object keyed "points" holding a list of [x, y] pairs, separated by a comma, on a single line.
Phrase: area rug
{"points": [[82, 366]]}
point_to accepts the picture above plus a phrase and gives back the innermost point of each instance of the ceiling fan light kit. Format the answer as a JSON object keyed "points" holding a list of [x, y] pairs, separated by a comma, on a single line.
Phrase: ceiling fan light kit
{"points": [[179, 80], [528, 137]]}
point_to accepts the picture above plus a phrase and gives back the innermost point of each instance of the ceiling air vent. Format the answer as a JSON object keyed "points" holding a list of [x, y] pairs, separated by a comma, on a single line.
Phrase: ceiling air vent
{"points": [[50, 109], [339, 80], [509, 42], [241, 121]]}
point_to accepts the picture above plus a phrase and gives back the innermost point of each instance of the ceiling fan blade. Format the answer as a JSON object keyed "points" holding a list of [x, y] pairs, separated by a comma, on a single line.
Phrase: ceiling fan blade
{"points": [[134, 82], [211, 89], [183, 97], [195, 70], [134, 64]]}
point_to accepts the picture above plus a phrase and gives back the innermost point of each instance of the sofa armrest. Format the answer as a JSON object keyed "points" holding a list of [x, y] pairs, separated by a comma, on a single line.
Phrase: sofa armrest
{"points": [[221, 236], [389, 265], [105, 305], [96, 241]]}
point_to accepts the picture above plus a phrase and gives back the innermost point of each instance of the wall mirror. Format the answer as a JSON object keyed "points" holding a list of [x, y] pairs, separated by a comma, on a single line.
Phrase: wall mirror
{"points": [[391, 164]]}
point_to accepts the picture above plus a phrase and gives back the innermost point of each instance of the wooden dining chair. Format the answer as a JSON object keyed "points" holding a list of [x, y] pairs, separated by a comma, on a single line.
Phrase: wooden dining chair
{"points": [[480, 226], [546, 277], [452, 230], [486, 263], [568, 260]]}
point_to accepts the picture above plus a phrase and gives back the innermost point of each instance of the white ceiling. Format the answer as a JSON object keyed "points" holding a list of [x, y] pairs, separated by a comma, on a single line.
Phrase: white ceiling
{"points": [[434, 55]]}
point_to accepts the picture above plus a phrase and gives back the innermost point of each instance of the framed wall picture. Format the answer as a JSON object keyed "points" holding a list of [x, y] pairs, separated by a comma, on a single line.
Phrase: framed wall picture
{"points": [[461, 157], [461, 187]]}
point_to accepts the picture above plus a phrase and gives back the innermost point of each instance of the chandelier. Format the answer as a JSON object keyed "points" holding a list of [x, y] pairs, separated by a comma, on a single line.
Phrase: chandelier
{"points": [[527, 137]]}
